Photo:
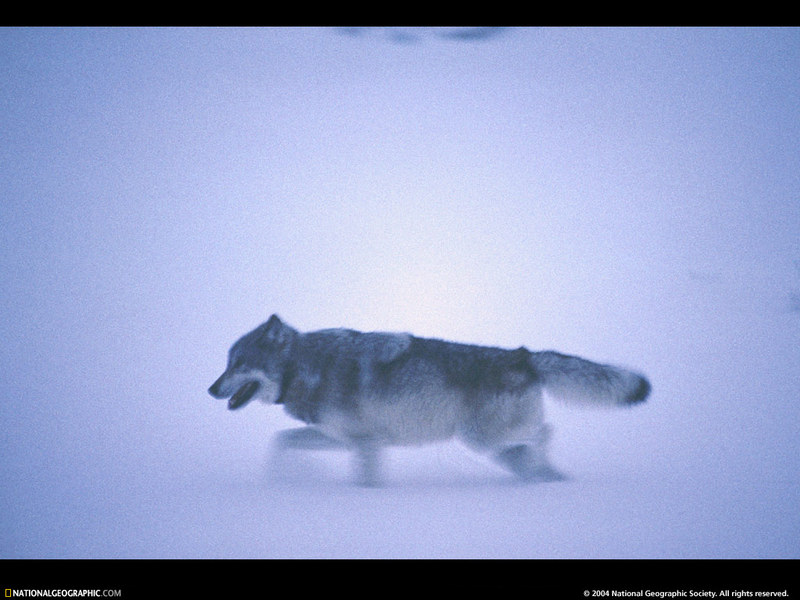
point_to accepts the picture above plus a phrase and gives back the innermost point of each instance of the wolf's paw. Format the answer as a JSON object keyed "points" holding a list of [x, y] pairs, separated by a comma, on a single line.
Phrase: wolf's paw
{"points": [[306, 438], [541, 475], [369, 482], [527, 464]]}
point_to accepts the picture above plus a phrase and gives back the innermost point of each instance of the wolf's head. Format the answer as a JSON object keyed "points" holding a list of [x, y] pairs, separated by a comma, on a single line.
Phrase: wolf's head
{"points": [[255, 365]]}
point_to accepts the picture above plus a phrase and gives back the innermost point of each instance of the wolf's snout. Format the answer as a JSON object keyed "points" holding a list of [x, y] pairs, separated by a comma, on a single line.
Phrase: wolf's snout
{"points": [[221, 389], [214, 389]]}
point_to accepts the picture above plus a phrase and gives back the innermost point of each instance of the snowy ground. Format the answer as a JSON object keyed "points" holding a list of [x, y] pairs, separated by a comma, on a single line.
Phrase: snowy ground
{"points": [[627, 195]]}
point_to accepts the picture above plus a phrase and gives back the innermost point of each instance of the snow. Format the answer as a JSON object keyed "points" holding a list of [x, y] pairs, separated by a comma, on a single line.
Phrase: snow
{"points": [[629, 195]]}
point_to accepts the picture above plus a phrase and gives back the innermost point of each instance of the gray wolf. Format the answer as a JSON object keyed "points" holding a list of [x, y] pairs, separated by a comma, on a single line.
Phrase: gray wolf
{"points": [[366, 391]]}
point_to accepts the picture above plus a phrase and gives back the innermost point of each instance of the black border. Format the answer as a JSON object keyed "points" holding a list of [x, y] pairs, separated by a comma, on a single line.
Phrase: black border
{"points": [[375, 578]]}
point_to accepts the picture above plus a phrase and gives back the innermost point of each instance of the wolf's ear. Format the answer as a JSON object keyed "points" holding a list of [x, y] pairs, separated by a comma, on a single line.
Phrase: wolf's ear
{"points": [[274, 332]]}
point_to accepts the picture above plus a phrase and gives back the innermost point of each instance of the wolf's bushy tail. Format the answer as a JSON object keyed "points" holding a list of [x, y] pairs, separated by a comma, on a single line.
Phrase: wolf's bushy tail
{"points": [[577, 380]]}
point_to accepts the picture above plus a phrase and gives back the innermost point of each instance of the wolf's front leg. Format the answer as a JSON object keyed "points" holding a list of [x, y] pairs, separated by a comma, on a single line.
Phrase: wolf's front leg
{"points": [[306, 438], [368, 463], [289, 461]]}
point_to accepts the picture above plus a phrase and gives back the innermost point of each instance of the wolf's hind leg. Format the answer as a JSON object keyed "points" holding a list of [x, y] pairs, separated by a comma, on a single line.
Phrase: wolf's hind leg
{"points": [[528, 460]]}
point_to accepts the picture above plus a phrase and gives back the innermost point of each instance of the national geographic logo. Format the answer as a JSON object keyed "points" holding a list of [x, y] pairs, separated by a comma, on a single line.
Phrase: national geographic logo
{"points": [[61, 593]]}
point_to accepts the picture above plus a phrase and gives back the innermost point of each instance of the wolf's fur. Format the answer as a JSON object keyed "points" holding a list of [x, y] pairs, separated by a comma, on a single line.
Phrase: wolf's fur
{"points": [[364, 391]]}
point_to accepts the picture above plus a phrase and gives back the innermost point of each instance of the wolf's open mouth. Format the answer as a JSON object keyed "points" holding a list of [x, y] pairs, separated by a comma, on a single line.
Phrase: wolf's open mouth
{"points": [[243, 395]]}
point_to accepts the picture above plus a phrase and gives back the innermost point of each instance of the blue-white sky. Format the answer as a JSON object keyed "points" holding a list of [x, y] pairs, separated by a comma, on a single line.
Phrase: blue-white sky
{"points": [[630, 195]]}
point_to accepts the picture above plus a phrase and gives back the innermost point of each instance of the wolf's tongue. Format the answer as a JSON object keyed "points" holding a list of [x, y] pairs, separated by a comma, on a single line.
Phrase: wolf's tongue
{"points": [[243, 395]]}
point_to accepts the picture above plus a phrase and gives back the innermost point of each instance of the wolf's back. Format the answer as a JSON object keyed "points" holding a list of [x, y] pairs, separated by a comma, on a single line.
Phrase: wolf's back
{"points": [[577, 380]]}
